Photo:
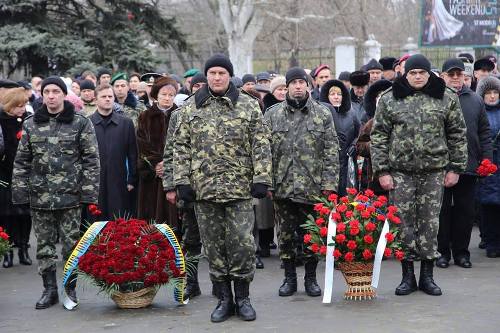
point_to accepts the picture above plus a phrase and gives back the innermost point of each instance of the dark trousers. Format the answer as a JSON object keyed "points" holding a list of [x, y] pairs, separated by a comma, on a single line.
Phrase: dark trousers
{"points": [[491, 224], [456, 218], [18, 227]]}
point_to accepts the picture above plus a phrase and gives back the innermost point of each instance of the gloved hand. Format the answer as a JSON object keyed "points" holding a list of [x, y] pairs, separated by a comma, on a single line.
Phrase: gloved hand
{"points": [[186, 193], [258, 190]]}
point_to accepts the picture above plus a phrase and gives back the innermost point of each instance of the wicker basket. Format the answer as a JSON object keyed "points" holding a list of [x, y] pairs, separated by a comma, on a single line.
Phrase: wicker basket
{"points": [[358, 276], [134, 300]]}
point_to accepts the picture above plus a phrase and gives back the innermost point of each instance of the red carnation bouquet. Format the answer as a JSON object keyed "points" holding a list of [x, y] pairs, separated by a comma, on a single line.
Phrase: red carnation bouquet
{"points": [[129, 255], [360, 218], [486, 168], [5, 245]]}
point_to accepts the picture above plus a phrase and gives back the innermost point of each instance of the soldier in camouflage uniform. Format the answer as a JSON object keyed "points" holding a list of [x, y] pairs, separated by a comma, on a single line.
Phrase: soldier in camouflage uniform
{"points": [[222, 159], [123, 96], [56, 170], [305, 152], [418, 143]]}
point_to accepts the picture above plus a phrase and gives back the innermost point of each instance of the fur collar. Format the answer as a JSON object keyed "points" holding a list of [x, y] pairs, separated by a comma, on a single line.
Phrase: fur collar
{"points": [[65, 116], [370, 98], [345, 105], [435, 88], [204, 94]]}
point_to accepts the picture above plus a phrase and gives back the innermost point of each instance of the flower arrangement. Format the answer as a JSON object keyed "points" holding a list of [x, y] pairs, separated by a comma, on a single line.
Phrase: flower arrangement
{"points": [[4, 242], [360, 218], [486, 168], [128, 256]]}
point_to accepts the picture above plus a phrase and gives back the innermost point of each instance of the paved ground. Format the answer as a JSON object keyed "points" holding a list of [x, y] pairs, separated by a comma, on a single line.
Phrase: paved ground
{"points": [[471, 303]]}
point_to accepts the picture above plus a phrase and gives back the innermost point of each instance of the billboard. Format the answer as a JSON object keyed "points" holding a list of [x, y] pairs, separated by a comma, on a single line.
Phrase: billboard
{"points": [[460, 23]]}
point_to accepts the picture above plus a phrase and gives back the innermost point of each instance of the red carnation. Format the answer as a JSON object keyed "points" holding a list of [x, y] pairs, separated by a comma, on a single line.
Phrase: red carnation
{"points": [[360, 207], [377, 204], [344, 199], [349, 214], [382, 199], [351, 245], [387, 252], [354, 231], [352, 191], [320, 221], [349, 256], [323, 232], [318, 207], [337, 217], [368, 239], [322, 250], [370, 226], [325, 211], [369, 193], [19, 135], [389, 236], [367, 254], [341, 208], [380, 217], [315, 248], [365, 214], [337, 254], [363, 198], [392, 209], [4, 235], [92, 208], [332, 197], [340, 227], [307, 238], [354, 224], [399, 255], [339, 239]]}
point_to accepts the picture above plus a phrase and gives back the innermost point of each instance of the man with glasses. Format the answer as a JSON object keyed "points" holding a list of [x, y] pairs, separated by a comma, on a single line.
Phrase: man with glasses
{"points": [[458, 207]]}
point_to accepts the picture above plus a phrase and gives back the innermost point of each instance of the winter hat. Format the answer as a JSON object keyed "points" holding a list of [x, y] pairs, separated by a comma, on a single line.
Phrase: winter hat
{"points": [[467, 56], [453, 63], [359, 78], [387, 63], [101, 71], [344, 76], [484, 63], [238, 83], [486, 84], [262, 88], [75, 100], [4, 83], [295, 73], [277, 82], [219, 60], [87, 85], [198, 78], [57, 81], [373, 64], [162, 82], [176, 78], [417, 61], [263, 76], [248, 78]]}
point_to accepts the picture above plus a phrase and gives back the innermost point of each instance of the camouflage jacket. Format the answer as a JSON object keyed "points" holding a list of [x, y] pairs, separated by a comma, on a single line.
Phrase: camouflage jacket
{"points": [[305, 151], [132, 108], [221, 146], [89, 108], [168, 152], [57, 161], [418, 131]]}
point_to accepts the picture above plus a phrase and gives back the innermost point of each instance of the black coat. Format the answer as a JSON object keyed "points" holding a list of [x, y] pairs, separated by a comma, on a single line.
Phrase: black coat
{"points": [[347, 127], [478, 129], [10, 126], [118, 157]]}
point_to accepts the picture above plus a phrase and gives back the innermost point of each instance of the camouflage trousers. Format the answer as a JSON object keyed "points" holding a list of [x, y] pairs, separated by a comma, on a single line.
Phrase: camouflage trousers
{"points": [[226, 235], [418, 198], [46, 224], [191, 241], [290, 216]]}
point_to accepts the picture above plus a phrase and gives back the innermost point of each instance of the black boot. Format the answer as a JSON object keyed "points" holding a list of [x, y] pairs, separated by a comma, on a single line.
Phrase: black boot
{"points": [[70, 288], [24, 257], [243, 307], [49, 295], [310, 282], [289, 286], [225, 307], [426, 281], [408, 283], [8, 259], [192, 287], [258, 262]]}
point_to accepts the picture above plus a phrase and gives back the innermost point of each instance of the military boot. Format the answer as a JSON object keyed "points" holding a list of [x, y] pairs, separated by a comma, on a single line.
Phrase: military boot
{"points": [[8, 259], [310, 282], [192, 287], [49, 295], [408, 283], [225, 307], [24, 257], [426, 281], [289, 286], [244, 308]]}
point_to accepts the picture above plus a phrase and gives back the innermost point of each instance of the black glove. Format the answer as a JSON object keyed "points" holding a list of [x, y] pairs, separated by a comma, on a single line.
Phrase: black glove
{"points": [[258, 190], [186, 193]]}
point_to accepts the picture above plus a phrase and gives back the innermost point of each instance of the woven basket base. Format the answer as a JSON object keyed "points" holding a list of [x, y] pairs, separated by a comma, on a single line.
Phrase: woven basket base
{"points": [[358, 276], [134, 300]]}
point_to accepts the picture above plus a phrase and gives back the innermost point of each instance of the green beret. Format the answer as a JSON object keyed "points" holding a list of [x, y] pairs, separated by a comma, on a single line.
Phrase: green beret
{"points": [[191, 72], [119, 76]]}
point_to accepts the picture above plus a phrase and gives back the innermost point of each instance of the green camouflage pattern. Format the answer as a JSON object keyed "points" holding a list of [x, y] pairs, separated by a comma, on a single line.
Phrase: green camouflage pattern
{"points": [[89, 108], [133, 113], [289, 217], [57, 164], [47, 225], [226, 235], [418, 197], [418, 134], [220, 149], [305, 151], [191, 241], [168, 152]]}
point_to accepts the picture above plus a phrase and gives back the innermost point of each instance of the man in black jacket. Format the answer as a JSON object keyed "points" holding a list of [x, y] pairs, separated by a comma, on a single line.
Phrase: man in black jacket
{"points": [[458, 208]]}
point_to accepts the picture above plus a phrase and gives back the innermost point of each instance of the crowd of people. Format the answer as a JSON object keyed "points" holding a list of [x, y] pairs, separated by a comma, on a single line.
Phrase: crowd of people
{"points": [[229, 162]]}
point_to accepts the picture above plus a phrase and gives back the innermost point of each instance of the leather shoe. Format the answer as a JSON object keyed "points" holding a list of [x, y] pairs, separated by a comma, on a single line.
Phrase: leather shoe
{"points": [[463, 262], [258, 263], [442, 262]]}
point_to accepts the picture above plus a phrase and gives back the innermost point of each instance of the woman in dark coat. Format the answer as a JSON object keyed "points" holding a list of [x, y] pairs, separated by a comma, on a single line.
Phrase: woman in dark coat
{"points": [[489, 188], [336, 97], [151, 134], [363, 144], [15, 219]]}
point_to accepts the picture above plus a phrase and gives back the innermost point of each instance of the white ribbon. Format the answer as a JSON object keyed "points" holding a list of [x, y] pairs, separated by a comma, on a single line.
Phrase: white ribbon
{"points": [[330, 259], [382, 242]]}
